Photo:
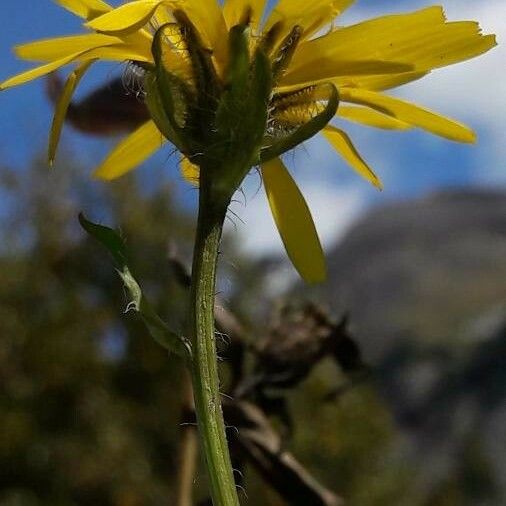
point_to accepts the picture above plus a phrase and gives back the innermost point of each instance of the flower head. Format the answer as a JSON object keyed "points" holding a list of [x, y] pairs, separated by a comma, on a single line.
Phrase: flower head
{"points": [[231, 91]]}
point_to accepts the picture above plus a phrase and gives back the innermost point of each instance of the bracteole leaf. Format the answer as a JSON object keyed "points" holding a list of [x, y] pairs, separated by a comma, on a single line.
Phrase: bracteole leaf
{"points": [[158, 329]]}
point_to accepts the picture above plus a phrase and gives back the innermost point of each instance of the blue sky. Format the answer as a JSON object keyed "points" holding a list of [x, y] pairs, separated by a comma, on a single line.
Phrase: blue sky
{"points": [[409, 164]]}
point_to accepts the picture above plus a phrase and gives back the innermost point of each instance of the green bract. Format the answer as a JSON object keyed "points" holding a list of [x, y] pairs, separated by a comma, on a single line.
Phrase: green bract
{"points": [[158, 329], [226, 126]]}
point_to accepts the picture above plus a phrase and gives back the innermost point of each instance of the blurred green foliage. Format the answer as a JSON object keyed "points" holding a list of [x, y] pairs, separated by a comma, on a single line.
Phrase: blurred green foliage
{"points": [[90, 406], [89, 403]]}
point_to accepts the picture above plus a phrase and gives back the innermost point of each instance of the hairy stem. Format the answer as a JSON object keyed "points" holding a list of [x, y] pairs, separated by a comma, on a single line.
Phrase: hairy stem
{"points": [[212, 211]]}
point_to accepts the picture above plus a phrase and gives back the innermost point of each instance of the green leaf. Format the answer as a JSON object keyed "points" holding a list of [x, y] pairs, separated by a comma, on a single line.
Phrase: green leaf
{"points": [[158, 329], [109, 238]]}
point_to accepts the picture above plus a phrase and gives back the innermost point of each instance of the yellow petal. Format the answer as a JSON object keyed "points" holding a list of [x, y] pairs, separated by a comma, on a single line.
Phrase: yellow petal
{"points": [[127, 18], [410, 113], [310, 15], [162, 17], [53, 49], [327, 17], [422, 38], [119, 53], [207, 16], [343, 145], [380, 82], [235, 10], [131, 152], [190, 171], [322, 69], [62, 106], [87, 9], [371, 117], [293, 219], [37, 72], [342, 5]]}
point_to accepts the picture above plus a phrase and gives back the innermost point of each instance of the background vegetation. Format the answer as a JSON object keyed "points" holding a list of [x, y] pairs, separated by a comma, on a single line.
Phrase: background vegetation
{"points": [[90, 406]]}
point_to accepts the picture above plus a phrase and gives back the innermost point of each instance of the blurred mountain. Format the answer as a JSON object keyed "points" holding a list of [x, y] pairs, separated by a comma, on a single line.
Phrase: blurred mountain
{"points": [[421, 269], [424, 282]]}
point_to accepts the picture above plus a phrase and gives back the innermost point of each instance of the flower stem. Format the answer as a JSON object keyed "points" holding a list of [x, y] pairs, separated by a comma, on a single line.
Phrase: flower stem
{"points": [[211, 425]]}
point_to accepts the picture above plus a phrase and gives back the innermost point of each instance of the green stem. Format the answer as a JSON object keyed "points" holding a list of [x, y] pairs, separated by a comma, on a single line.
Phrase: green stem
{"points": [[211, 425]]}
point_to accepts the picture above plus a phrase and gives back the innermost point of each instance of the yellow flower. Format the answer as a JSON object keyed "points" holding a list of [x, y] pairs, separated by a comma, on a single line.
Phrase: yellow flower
{"points": [[309, 59]]}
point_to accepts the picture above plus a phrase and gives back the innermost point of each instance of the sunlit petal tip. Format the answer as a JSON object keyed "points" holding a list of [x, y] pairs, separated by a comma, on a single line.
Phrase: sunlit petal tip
{"points": [[35, 73], [126, 18], [469, 136], [375, 181], [131, 152], [101, 175], [87, 9], [106, 172], [317, 277], [342, 143], [378, 184]]}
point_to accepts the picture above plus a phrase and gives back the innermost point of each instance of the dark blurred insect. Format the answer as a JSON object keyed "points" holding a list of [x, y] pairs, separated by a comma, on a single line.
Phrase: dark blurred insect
{"points": [[116, 107]]}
